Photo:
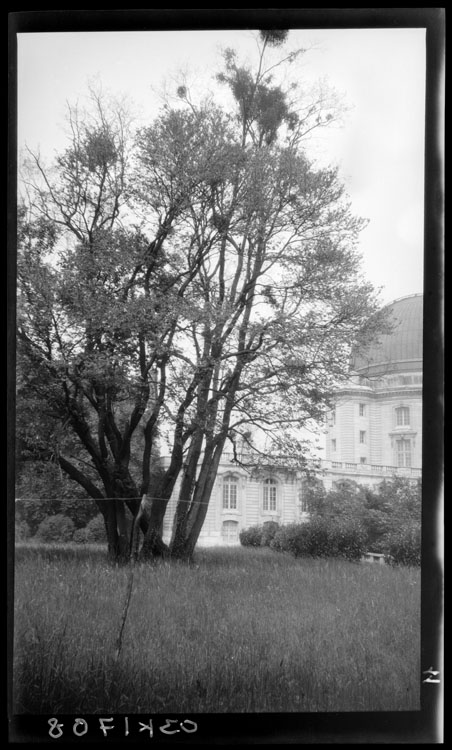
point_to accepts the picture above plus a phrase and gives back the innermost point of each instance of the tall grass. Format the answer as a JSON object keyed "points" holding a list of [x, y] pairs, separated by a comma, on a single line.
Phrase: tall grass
{"points": [[240, 630]]}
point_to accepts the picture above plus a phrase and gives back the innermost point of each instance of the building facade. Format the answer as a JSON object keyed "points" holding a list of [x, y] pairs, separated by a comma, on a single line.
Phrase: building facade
{"points": [[376, 425], [374, 432], [244, 497]]}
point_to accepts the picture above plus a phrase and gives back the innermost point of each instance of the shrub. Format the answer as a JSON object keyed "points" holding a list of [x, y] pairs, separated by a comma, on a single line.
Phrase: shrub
{"points": [[321, 537], [404, 545], [292, 538], [251, 537], [268, 531], [80, 510], [80, 536], [315, 495], [95, 530], [381, 511], [402, 497], [57, 528], [34, 512], [376, 524], [350, 538]]}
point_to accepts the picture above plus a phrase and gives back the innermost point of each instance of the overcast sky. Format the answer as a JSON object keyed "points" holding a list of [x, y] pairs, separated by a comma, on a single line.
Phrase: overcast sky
{"points": [[379, 148]]}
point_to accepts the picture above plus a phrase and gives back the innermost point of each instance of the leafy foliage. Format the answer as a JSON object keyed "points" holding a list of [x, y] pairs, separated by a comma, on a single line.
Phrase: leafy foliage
{"points": [[191, 282], [404, 545], [251, 537], [81, 511], [275, 37], [33, 511], [321, 537], [80, 536], [259, 536], [95, 530], [389, 514], [58, 528], [269, 530]]}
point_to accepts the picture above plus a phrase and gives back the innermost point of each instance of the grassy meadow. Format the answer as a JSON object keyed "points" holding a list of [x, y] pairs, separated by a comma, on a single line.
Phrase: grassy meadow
{"points": [[239, 630]]}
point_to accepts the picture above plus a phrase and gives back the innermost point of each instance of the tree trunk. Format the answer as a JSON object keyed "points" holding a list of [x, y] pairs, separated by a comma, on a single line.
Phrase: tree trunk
{"points": [[189, 525], [122, 495], [111, 529], [123, 537], [186, 492], [188, 528], [153, 544]]}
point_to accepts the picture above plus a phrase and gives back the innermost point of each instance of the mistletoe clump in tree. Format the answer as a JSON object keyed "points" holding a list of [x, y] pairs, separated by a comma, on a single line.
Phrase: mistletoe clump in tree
{"points": [[203, 282]]}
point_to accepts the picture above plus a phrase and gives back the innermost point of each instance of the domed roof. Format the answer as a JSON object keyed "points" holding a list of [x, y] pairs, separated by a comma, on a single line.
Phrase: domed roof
{"points": [[401, 350]]}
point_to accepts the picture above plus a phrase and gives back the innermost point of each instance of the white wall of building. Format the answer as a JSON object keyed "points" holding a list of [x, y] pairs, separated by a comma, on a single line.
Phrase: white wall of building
{"points": [[365, 427], [223, 524]]}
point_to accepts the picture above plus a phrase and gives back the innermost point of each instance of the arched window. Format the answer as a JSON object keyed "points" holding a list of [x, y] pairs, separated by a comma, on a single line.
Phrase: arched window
{"points": [[230, 532], [269, 500], [230, 492]]}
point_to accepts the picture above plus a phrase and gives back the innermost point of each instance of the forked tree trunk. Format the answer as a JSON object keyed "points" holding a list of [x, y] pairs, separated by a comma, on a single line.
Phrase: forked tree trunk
{"points": [[188, 524], [153, 544], [187, 489], [114, 514], [198, 489], [121, 500]]}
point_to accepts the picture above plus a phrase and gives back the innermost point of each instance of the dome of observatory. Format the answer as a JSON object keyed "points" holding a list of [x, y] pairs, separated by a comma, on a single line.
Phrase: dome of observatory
{"points": [[399, 351]]}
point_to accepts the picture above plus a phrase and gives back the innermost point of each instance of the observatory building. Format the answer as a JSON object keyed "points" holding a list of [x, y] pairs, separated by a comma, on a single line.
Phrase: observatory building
{"points": [[375, 428], [373, 433]]}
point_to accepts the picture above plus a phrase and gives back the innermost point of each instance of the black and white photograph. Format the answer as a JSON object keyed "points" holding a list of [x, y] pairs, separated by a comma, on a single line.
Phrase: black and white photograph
{"points": [[225, 405]]}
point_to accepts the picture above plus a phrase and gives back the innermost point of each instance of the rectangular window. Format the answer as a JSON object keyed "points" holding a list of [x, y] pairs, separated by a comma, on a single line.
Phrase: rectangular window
{"points": [[273, 498], [229, 494], [333, 445], [333, 417], [402, 416], [362, 437], [269, 502], [362, 410], [404, 453]]}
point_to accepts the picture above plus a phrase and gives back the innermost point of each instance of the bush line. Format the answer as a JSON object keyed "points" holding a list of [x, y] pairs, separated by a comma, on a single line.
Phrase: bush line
{"points": [[339, 537]]}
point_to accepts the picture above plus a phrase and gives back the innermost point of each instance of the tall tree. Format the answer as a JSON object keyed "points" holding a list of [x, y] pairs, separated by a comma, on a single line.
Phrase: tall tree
{"points": [[211, 288]]}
